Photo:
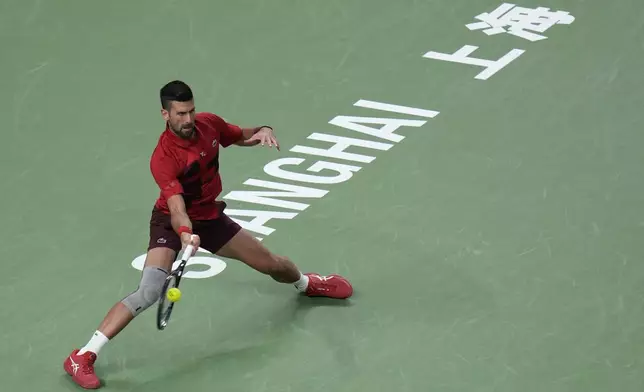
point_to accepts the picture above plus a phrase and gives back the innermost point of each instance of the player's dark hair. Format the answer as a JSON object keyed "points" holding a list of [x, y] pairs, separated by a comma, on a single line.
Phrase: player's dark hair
{"points": [[174, 91]]}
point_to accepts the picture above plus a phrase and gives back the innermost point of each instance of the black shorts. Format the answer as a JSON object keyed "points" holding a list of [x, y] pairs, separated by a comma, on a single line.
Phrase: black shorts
{"points": [[213, 233]]}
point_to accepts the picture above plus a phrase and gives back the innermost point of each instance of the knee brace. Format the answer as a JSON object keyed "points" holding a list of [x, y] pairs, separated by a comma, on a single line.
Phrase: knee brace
{"points": [[148, 292]]}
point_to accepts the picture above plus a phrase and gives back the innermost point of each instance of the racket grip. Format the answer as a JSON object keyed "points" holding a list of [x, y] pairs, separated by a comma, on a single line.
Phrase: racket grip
{"points": [[188, 252]]}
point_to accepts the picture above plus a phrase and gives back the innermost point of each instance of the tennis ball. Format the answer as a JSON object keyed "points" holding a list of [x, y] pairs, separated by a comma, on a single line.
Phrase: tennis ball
{"points": [[174, 294]]}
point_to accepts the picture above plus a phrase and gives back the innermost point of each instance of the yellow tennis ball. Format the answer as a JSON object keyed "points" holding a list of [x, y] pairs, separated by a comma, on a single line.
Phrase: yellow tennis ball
{"points": [[174, 294]]}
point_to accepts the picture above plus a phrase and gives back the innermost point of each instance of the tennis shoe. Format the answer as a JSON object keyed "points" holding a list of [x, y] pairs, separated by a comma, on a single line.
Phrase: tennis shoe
{"points": [[332, 286], [81, 368]]}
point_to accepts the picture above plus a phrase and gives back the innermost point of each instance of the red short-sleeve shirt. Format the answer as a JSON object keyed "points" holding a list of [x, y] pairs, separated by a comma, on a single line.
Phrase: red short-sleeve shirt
{"points": [[191, 167]]}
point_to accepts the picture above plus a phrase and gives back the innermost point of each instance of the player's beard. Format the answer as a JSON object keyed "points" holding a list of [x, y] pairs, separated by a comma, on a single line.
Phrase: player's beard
{"points": [[185, 131]]}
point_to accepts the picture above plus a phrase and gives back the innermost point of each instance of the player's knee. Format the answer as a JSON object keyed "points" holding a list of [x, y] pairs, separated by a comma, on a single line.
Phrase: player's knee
{"points": [[148, 292]]}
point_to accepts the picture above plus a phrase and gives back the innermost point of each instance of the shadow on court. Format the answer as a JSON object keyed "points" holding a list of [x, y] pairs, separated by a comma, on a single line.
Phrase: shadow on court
{"points": [[244, 348]]}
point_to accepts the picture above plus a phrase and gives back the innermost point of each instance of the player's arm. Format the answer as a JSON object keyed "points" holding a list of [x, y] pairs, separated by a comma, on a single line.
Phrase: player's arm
{"points": [[248, 133], [164, 170], [178, 215], [181, 221], [246, 137], [259, 135]]}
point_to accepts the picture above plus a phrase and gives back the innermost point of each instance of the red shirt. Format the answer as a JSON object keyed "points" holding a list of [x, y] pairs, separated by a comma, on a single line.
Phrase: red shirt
{"points": [[191, 167]]}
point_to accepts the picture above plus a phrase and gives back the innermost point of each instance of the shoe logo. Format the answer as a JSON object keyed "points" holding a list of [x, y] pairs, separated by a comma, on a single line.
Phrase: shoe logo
{"points": [[322, 278], [75, 366]]}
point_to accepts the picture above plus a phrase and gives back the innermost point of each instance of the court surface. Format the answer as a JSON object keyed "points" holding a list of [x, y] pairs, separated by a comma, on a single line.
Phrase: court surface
{"points": [[496, 247]]}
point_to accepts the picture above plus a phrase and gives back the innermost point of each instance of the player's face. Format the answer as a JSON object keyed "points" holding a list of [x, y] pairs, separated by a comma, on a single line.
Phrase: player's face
{"points": [[181, 118]]}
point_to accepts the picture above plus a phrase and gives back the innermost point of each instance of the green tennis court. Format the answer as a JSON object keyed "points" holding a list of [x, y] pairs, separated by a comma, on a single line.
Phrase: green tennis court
{"points": [[480, 187]]}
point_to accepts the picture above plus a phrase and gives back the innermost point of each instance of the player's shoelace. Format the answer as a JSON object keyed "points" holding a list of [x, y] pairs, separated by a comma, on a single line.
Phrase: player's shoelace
{"points": [[88, 368]]}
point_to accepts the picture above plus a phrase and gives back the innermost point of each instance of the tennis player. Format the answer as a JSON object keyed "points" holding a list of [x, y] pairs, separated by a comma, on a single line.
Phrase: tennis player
{"points": [[185, 165]]}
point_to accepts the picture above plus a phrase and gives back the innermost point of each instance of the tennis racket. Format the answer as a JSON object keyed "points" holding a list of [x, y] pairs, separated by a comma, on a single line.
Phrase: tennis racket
{"points": [[165, 305]]}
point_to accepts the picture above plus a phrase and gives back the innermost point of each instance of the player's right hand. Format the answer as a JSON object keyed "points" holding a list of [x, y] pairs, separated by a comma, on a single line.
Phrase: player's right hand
{"points": [[190, 239]]}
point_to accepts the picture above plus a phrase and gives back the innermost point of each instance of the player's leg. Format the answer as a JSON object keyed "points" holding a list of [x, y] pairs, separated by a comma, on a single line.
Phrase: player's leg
{"points": [[162, 250], [246, 248], [157, 265], [227, 239]]}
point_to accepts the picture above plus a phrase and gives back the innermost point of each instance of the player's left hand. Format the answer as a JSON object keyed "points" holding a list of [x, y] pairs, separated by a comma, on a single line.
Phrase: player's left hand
{"points": [[265, 136]]}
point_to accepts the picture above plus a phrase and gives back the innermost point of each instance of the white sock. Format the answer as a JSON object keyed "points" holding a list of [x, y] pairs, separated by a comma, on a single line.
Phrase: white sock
{"points": [[302, 284], [95, 344]]}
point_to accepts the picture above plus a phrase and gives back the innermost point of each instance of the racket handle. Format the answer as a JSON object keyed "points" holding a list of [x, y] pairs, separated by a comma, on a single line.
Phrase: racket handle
{"points": [[189, 249], [188, 252]]}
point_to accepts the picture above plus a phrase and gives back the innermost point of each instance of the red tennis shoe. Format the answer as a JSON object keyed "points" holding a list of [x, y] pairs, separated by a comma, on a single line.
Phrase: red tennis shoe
{"points": [[332, 286], [81, 368]]}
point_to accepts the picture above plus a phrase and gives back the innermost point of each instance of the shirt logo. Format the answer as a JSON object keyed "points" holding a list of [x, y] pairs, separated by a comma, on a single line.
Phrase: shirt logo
{"points": [[214, 142]]}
